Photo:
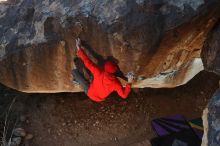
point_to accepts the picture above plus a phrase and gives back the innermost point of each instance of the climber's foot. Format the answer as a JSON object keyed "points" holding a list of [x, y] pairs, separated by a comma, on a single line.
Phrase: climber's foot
{"points": [[75, 82]]}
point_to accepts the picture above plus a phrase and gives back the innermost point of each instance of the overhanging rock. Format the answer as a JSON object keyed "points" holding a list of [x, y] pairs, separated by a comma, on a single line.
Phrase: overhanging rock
{"points": [[160, 41]]}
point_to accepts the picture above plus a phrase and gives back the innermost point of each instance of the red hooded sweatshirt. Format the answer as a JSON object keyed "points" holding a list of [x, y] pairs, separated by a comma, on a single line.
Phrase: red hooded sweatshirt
{"points": [[103, 82]]}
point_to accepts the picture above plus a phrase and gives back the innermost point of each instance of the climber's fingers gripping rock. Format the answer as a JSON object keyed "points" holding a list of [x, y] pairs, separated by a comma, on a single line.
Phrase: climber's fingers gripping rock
{"points": [[130, 76], [78, 43]]}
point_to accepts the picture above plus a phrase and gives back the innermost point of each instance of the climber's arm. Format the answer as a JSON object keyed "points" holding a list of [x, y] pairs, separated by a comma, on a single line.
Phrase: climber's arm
{"points": [[123, 92], [88, 63]]}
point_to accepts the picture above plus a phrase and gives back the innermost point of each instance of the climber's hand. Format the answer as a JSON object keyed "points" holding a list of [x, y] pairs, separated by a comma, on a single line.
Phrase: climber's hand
{"points": [[130, 76], [78, 43]]}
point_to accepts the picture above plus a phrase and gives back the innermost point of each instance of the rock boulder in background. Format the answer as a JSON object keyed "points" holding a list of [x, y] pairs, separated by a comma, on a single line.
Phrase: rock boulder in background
{"points": [[211, 51], [211, 121], [211, 115]]}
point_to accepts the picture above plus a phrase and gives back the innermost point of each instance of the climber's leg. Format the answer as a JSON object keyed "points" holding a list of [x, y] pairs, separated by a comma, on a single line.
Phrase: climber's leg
{"points": [[81, 80]]}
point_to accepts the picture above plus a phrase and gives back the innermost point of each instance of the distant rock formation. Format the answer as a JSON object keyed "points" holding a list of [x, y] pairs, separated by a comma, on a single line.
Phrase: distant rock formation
{"points": [[159, 40]]}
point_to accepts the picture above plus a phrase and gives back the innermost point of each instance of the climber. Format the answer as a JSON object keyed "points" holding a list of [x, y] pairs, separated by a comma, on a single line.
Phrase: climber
{"points": [[104, 81]]}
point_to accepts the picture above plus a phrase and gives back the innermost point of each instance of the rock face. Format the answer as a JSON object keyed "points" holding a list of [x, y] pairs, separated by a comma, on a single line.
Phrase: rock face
{"points": [[211, 120], [160, 41], [211, 115], [211, 51]]}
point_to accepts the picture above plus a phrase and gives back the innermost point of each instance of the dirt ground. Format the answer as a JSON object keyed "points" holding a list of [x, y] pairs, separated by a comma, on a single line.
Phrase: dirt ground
{"points": [[71, 119]]}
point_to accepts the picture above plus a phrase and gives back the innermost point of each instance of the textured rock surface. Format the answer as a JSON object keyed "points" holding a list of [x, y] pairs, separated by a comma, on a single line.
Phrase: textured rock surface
{"points": [[159, 40], [211, 120], [211, 51], [205, 126]]}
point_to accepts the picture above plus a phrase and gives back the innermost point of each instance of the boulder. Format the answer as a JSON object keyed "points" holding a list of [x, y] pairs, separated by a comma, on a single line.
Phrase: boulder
{"points": [[159, 40], [211, 50], [211, 115], [211, 122]]}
